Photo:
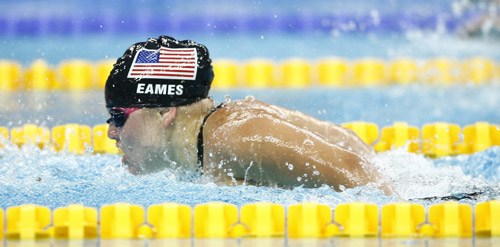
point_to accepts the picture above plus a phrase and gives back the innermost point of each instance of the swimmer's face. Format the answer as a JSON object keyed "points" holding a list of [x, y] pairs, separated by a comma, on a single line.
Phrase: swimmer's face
{"points": [[141, 139]]}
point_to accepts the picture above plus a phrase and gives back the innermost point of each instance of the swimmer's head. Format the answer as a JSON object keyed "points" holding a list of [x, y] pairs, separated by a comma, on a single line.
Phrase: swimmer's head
{"points": [[160, 72]]}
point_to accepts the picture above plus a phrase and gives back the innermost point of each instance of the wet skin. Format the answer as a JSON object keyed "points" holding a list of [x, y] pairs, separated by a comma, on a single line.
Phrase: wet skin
{"points": [[269, 145], [141, 140], [251, 141]]}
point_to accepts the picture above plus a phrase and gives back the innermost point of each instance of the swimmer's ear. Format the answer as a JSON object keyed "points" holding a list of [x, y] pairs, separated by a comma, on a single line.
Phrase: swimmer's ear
{"points": [[168, 115]]}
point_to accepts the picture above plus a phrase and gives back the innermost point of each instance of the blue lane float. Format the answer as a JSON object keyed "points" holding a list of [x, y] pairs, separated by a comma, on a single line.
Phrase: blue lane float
{"points": [[110, 22]]}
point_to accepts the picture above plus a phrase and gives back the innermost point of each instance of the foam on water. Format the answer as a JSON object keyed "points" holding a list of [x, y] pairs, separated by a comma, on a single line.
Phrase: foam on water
{"points": [[31, 175], [415, 176]]}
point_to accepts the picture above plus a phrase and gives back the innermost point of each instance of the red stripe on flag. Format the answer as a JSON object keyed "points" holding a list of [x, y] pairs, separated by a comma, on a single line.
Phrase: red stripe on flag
{"points": [[177, 50], [165, 75], [177, 54], [163, 70], [180, 62], [175, 58], [165, 66]]}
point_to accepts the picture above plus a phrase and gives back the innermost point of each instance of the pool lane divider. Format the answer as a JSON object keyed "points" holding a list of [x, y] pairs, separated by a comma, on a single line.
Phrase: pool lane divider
{"points": [[109, 22], [294, 73], [434, 140], [72, 138], [255, 220], [74, 222]]}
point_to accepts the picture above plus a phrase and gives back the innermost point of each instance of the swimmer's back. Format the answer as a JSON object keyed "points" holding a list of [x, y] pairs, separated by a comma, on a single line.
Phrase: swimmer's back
{"points": [[241, 111], [266, 144]]}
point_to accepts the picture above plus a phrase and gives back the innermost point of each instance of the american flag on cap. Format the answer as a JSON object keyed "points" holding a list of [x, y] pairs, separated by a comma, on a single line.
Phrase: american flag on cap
{"points": [[165, 63]]}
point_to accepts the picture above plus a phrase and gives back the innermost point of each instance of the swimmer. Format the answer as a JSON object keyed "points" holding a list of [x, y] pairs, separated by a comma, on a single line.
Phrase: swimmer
{"points": [[162, 118]]}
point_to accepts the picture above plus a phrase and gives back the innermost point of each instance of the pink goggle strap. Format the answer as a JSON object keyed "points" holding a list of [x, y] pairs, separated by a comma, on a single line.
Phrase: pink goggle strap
{"points": [[127, 111]]}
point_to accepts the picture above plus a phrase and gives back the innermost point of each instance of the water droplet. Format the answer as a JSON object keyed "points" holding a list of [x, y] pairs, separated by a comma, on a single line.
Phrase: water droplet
{"points": [[307, 164], [316, 173], [249, 97], [308, 142], [290, 166], [299, 179]]}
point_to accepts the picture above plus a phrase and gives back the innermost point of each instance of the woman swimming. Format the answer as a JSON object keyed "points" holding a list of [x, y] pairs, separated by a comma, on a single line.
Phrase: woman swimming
{"points": [[162, 117]]}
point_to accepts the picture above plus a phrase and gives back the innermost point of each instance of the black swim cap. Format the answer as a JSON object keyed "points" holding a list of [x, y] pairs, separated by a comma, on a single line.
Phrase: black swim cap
{"points": [[160, 72]]}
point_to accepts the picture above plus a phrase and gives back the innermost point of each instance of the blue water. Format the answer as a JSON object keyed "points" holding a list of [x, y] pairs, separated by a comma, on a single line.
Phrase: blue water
{"points": [[384, 29], [416, 104], [30, 175], [32, 18], [419, 45]]}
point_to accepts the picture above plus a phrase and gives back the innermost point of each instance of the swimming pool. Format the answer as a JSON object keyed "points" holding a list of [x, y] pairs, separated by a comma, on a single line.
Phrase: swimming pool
{"points": [[91, 178], [31, 175]]}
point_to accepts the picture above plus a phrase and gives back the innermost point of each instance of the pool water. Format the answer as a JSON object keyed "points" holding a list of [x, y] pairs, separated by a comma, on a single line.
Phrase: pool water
{"points": [[31, 175], [417, 44], [417, 104], [95, 30]]}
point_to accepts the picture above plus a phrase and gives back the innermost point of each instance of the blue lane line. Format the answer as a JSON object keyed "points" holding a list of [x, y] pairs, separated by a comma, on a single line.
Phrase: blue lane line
{"points": [[111, 23]]}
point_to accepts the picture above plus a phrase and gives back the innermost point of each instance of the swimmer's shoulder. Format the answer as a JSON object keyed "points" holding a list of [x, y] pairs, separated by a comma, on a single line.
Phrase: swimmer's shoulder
{"points": [[236, 110], [248, 103], [236, 118]]}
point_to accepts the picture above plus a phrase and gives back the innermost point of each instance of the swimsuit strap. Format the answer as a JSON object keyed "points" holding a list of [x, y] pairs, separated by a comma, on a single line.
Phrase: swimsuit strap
{"points": [[200, 137]]}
